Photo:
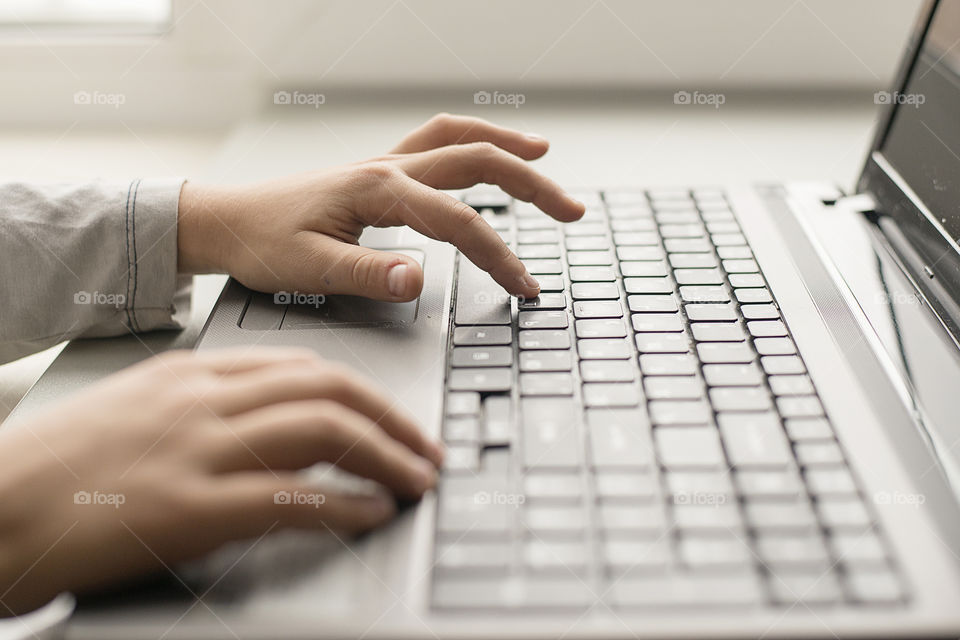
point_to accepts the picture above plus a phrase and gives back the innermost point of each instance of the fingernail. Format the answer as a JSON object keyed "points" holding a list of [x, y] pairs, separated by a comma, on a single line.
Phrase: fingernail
{"points": [[534, 137], [397, 279], [529, 281], [426, 474]]}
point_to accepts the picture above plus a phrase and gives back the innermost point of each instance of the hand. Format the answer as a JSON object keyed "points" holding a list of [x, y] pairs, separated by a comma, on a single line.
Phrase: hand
{"points": [[300, 233], [183, 452]]}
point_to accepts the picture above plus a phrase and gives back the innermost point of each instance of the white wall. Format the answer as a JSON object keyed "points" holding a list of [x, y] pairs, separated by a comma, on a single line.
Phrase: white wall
{"points": [[222, 59]]}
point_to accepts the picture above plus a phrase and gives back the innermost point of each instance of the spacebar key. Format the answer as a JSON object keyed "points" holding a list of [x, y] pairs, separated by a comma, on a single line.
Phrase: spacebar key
{"points": [[480, 300], [551, 434]]}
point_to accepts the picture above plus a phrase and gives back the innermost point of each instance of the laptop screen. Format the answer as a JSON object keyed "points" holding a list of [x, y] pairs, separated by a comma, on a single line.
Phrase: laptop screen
{"points": [[923, 140]]}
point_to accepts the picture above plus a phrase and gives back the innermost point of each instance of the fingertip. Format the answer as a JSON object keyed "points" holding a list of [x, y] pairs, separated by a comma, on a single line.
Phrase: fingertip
{"points": [[405, 280], [536, 146]]}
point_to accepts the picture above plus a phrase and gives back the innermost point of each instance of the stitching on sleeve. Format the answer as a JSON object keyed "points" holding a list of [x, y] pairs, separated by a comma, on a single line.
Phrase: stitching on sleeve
{"points": [[136, 271]]}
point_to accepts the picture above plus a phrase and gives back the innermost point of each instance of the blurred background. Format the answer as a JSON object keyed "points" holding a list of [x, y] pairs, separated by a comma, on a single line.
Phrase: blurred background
{"points": [[630, 92]]}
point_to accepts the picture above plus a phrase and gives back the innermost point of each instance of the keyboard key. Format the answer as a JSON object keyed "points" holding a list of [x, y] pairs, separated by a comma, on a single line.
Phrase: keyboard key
{"points": [[592, 274], [740, 252], [698, 487], [594, 291], [481, 357], [722, 226], [759, 311], [680, 412], [740, 399], [480, 300], [775, 365], [732, 375], [752, 296], [512, 593], [707, 516], [604, 349], [682, 447], [558, 556], [589, 258], [823, 453], [550, 284], [717, 332], [546, 384], [462, 403], [607, 371], [585, 228], [690, 230], [551, 434], [545, 361], [874, 586], [481, 335], [739, 280], [587, 243], [640, 253], [791, 385], [461, 429], [542, 236], [704, 294], [463, 506], [657, 322], [648, 285], [633, 224], [544, 301], [728, 239], [687, 245], [774, 346], [461, 458], [470, 557], [781, 483], [725, 353], [697, 276], [710, 312], [553, 486], [722, 552], [601, 328], [631, 486], [643, 269], [538, 251], [634, 557], [685, 589], [549, 520], [809, 588], [808, 428], [545, 339], [847, 514], [636, 238], [482, 380], [662, 343], [693, 261], [830, 482], [619, 439], [740, 266], [652, 304], [673, 388], [602, 394], [598, 309], [631, 520], [543, 320], [861, 548], [668, 365], [800, 406], [754, 440], [498, 425], [796, 516]]}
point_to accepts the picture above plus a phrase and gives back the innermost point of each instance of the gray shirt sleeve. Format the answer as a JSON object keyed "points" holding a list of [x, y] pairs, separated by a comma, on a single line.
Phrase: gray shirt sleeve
{"points": [[88, 260]]}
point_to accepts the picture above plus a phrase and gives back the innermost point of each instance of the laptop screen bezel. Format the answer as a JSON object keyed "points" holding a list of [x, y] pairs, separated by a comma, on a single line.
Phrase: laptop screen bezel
{"points": [[926, 251]]}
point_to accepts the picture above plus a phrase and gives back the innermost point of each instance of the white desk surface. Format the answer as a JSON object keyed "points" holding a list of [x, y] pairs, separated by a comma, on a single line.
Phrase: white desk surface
{"points": [[600, 139]]}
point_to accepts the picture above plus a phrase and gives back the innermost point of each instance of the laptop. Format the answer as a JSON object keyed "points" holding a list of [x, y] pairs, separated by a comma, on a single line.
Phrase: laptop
{"points": [[731, 412]]}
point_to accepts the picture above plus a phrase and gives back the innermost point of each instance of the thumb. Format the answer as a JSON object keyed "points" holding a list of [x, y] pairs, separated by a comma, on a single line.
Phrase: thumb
{"points": [[361, 271]]}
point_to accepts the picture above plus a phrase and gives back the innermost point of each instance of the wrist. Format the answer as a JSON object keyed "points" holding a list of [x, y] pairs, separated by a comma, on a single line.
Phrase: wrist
{"points": [[201, 230]]}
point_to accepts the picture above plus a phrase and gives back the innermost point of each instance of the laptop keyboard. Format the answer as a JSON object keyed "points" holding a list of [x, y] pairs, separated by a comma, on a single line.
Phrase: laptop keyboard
{"points": [[644, 432]]}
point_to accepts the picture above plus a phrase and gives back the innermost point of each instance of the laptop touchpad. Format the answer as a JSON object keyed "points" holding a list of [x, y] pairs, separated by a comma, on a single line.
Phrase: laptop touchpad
{"points": [[293, 310]]}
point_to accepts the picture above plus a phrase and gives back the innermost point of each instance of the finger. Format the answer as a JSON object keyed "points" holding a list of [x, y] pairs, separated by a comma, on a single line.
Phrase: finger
{"points": [[445, 129], [443, 217], [296, 435], [360, 271], [234, 360], [461, 166], [318, 380], [251, 504]]}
